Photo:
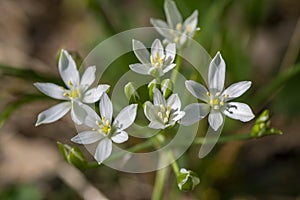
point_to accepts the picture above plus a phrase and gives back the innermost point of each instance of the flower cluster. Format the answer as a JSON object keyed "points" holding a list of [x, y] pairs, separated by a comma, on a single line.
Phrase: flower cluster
{"points": [[162, 109]]}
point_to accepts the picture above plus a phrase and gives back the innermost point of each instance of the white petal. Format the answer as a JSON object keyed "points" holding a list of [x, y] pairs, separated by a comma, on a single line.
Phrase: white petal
{"points": [[87, 137], [158, 98], [91, 116], [156, 125], [141, 68], [126, 117], [237, 89], [197, 90], [51, 90], [210, 140], [216, 73], [157, 48], [88, 78], [194, 112], [120, 137], [172, 14], [94, 94], [67, 68], [141, 51], [176, 116], [239, 111], [215, 119], [106, 108], [174, 102], [192, 21], [161, 27], [78, 112], [53, 114], [169, 67], [103, 150], [170, 52], [149, 111]]}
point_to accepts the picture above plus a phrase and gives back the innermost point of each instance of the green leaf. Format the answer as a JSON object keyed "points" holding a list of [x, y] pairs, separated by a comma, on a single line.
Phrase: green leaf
{"points": [[187, 180], [262, 126]]}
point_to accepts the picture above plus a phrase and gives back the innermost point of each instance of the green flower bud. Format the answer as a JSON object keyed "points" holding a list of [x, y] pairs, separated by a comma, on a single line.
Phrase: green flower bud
{"points": [[262, 126], [73, 155], [151, 86], [187, 180], [166, 87], [131, 93]]}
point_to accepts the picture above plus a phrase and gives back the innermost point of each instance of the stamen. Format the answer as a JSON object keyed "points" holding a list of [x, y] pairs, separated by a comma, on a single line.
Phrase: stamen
{"points": [[70, 83], [188, 28], [208, 94], [178, 26]]}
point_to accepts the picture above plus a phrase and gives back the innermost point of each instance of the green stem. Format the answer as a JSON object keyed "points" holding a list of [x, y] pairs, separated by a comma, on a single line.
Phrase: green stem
{"points": [[9, 109], [175, 166], [98, 10], [273, 87], [27, 74], [200, 140], [159, 183], [176, 69]]}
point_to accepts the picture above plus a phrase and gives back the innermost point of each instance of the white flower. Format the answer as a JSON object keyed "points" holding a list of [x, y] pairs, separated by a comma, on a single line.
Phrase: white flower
{"points": [[217, 99], [104, 130], [162, 113], [74, 96], [175, 30], [158, 63]]}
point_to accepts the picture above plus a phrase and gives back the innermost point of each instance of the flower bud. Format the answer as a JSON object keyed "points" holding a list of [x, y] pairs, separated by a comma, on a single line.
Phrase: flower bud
{"points": [[187, 180], [73, 155], [151, 86], [131, 93], [262, 126], [166, 87]]}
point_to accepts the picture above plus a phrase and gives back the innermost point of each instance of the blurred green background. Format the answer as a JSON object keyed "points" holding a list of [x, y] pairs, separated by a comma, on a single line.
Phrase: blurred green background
{"points": [[259, 40]]}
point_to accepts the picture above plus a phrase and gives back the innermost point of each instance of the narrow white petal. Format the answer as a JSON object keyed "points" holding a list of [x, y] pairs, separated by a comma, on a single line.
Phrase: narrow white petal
{"points": [[51, 90], [106, 107], [158, 98], [87, 137], [91, 116], [67, 68], [192, 21], [103, 150], [94, 94], [194, 112], [88, 78], [149, 111], [161, 27], [157, 48], [53, 114], [170, 52], [126, 117], [197, 90], [141, 51], [78, 112], [210, 140], [174, 102], [156, 125], [169, 67], [237, 89], [215, 119], [177, 116], [239, 111], [172, 14], [119, 137], [216, 73], [141, 68]]}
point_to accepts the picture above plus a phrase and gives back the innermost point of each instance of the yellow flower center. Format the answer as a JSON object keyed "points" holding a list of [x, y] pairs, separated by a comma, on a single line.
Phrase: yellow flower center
{"points": [[216, 101], [104, 125], [157, 61], [164, 113]]}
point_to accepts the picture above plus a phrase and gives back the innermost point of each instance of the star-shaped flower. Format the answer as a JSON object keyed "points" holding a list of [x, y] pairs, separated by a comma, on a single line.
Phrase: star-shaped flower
{"points": [[175, 30], [104, 129], [158, 63], [76, 93], [163, 113], [216, 98]]}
